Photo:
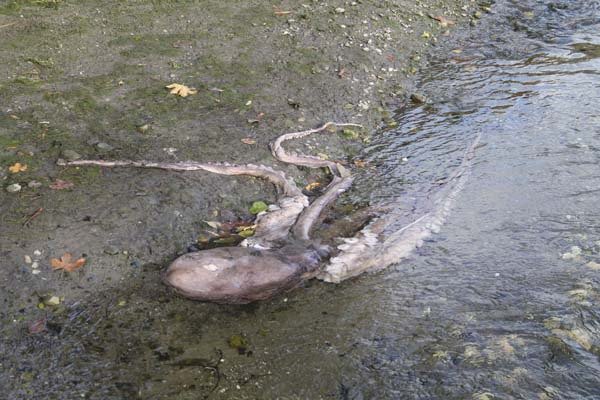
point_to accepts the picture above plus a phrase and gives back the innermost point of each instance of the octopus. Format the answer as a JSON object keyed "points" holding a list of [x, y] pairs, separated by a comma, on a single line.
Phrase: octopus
{"points": [[281, 255]]}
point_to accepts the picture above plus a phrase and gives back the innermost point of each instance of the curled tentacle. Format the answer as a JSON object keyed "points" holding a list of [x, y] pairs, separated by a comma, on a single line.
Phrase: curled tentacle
{"points": [[272, 226], [305, 160], [340, 183]]}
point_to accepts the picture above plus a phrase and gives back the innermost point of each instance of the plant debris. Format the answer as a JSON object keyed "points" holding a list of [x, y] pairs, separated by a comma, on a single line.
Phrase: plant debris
{"points": [[258, 207], [66, 263], [59, 184], [444, 22]]}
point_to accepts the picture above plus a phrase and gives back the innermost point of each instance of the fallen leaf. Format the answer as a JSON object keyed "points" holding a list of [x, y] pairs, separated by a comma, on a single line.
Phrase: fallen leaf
{"points": [[444, 22], [66, 263], [246, 231], [59, 184], [213, 224], [248, 141], [360, 163], [312, 186], [258, 206], [17, 167], [37, 326], [181, 90]]}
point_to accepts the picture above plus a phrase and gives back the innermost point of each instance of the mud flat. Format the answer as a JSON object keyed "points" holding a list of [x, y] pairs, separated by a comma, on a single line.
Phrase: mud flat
{"points": [[87, 79]]}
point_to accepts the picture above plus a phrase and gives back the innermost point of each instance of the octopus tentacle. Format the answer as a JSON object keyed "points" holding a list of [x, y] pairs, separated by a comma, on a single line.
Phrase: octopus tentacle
{"points": [[340, 183], [306, 160], [272, 226]]}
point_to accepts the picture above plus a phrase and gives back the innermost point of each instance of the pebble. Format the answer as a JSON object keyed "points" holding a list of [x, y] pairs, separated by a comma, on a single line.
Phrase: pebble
{"points": [[34, 184], [70, 155], [37, 253], [35, 265], [112, 250], [28, 259], [15, 187], [593, 265], [418, 98], [340, 10], [104, 146], [573, 254], [36, 271]]}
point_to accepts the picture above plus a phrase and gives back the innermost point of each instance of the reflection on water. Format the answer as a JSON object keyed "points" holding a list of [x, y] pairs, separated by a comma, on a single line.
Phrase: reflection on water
{"points": [[503, 303]]}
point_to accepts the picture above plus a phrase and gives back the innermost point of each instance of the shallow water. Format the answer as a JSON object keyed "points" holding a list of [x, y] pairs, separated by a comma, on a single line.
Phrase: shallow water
{"points": [[502, 303]]}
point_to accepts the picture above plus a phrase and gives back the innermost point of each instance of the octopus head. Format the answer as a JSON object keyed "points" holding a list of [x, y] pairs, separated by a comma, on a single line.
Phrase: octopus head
{"points": [[234, 274]]}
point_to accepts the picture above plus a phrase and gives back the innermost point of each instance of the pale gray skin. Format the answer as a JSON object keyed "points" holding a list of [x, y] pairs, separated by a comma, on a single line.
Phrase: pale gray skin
{"points": [[238, 275], [256, 271]]}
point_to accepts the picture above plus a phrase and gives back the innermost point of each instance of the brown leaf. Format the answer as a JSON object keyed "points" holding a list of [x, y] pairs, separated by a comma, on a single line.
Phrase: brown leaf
{"points": [[37, 326], [59, 184], [444, 22], [360, 163], [66, 263]]}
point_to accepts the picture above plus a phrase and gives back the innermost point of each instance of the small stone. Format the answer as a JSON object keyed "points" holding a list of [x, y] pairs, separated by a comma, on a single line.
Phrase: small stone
{"points": [[576, 250], [418, 98], [104, 146], [34, 184], [52, 301], [340, 10], [15, 187], [28, 259], [37, 253], [593, 265], [36, 271], [70, 155], [112, 250], [35, 265], [143, 128]]}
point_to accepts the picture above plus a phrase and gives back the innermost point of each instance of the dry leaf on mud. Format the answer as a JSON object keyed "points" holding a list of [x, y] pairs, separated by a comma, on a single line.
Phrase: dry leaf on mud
{"points": [[17, 167], [37, 326], [360, 163], [66, 263], [312, 186], [181, 90], [444, 22], [248, 141], [59, 184]]}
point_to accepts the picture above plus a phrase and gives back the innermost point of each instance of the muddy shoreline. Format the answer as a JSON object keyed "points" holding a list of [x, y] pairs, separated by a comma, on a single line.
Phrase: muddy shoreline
{"points": [[88, 79]]}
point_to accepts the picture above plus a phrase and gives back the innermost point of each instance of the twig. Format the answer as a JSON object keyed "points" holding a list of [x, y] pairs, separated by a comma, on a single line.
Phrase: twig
{"points": [[32, 216], [7, 25]]}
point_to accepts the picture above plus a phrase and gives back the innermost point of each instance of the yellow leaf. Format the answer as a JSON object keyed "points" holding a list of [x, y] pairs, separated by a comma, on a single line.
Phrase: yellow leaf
{"points": [[17, 167], [312, 186], [180, 90]]}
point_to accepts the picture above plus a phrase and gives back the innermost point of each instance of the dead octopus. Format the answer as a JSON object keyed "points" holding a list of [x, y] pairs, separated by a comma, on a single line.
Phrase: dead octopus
{"points": [[270, 261]]}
